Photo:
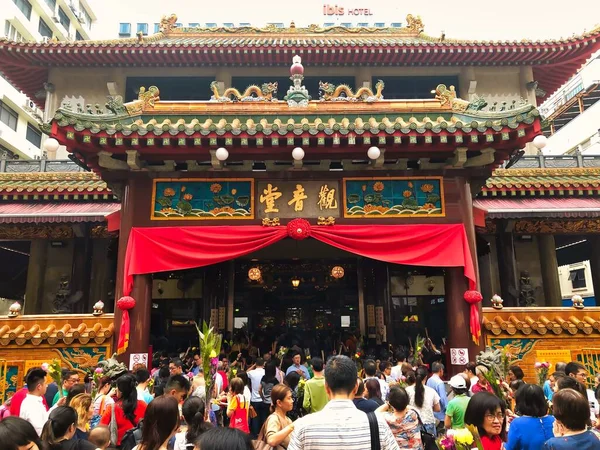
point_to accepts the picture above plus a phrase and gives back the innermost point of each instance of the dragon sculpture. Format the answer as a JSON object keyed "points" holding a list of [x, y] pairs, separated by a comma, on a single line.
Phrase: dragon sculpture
{"points": [[331, 92], [265, 93], [112, 367], [447, 97]]}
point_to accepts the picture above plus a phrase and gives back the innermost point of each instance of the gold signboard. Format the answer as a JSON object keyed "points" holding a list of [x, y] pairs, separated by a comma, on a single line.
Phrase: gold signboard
{"points": [[306, 199]]}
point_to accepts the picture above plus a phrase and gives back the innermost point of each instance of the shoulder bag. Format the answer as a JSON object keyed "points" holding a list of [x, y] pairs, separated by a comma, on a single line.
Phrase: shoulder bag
{"points": [[374, 430], [260, 443], [427, 438]]}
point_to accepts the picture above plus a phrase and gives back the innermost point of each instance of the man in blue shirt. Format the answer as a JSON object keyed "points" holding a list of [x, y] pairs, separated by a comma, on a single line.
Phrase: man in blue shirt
{"points": [[436, 383], [197, 364], [297, 367]]}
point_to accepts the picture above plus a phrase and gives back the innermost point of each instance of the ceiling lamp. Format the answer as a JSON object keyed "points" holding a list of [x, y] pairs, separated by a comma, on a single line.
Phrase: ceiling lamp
{"points": [[295, 282], [373, 153], [51, 145], [254, 274], [337, 272], [222, 154], [540, 142]]}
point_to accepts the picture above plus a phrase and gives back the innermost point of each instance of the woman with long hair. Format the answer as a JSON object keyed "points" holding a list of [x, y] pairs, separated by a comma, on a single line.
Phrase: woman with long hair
{"points": [[102, 400], [161, 421], [278, 427], [193, 412], [82, 404], [373, 389], [292, 380], [59, 431], [424, 399], [402, 420], [488, 413], [534, 426], [128, 410], [18, 434], [224, 439], [267, 382], [238, 406]]}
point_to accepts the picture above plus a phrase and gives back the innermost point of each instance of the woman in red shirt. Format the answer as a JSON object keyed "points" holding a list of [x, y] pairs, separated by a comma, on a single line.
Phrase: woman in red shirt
{"points": [[488, 413], [128, 409], [482, 384]]}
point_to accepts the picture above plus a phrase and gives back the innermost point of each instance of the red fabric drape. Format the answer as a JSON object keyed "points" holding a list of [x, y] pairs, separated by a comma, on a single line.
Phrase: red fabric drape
{"points": [[123, 334], [163, 249]]}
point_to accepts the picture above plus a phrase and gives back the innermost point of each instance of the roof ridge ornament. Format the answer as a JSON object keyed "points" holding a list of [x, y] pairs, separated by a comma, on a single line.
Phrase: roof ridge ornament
{"points": [[168, 23], [415, 24], [297, 95]]}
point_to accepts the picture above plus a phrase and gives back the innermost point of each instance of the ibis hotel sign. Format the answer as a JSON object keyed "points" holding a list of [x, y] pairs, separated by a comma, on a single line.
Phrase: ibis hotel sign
{"points": [[351, 11]]}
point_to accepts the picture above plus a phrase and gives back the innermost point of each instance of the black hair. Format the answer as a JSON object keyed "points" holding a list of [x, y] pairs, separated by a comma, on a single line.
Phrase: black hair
{"points": [[163, 372], [179, 382], [16, 432], [561, 367], [571, 409], [160, 421], [177, 362], [400, 356], [259, 362], [296, 353], [317, 364], [370, 368], [127, 387], [361, 387], [516, 385], [383, 365], [35, 377], [531, 401], [481, 404], [398, 398], [142, 375], [571, 383], [471, 367], [517, 372], [74, 391], [436, 367], [573, 367], [224, 438], [411, 378], [558, 374], [193, 411], [244, 376], [291, 380], [420, 376], [341, 374], [66, 374], [373, 388], [270, 371], [58, 424]]}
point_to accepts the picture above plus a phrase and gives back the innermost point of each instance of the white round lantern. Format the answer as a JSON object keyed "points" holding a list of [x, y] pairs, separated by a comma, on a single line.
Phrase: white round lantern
{"points": [[222, 154], [373, 153], [540, 141], [298, 154], [51, 145]]}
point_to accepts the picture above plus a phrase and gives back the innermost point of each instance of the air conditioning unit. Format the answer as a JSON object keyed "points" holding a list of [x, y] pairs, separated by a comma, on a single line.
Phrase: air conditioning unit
{"points": [[56, 19]]}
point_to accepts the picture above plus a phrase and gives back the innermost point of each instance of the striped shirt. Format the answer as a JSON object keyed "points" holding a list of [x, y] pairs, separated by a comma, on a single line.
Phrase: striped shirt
{"points": [[339, 425]]}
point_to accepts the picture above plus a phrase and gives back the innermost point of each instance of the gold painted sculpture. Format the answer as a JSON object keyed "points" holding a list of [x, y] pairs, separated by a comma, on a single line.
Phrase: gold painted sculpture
{"points": [[331, 92], [265, 93], [414, 23], [168, 23], [447, 97]]}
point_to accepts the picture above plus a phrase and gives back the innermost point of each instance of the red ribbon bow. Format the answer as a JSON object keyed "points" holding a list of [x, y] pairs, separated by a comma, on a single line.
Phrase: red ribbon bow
{"points": [[473, 298], [124, 304]]}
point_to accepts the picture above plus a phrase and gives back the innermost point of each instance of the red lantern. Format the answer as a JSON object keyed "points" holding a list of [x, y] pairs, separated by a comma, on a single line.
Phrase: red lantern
{"points": [[473, 298], [298, 229], [124, 304]]}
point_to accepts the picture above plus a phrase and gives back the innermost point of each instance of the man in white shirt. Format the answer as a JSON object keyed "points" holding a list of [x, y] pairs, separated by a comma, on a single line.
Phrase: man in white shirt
{"points": [[262, 409], [33, 409], [370, 371], [397, 369], [340, 422]]}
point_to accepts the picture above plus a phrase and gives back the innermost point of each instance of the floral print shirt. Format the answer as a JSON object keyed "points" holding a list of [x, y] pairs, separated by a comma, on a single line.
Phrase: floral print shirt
{"points": [[406, 430]]}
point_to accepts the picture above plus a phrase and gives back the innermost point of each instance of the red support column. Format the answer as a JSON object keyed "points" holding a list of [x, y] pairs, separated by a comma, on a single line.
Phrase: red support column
{"points": [[139, 333], [458, 313]]}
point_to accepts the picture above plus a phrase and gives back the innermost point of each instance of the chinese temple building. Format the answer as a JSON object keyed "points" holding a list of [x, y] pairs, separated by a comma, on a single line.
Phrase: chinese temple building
{"points": [[303, 179]]}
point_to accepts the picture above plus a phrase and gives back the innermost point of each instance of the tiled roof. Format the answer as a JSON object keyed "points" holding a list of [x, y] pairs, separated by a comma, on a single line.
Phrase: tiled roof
{"points": [[67, 329], [53, 186], [541, 321], [556, 182], [36, 212], [514, 208]]}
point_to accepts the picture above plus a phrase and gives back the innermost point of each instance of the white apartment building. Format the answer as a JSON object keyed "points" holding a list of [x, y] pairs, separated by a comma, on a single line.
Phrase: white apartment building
{"points": [[34, 20], [573, 113]]}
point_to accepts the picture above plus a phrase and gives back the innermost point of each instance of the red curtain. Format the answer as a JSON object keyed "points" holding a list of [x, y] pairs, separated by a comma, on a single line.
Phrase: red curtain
{"points": [[163, 249]]}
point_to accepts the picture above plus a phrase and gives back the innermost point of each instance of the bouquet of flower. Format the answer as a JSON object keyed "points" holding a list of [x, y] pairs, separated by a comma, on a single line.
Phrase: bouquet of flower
{"points": [[54, 369], [98, 373], [282, 352], [210, 346], [542, 369], [460, 439], [506, 361]]}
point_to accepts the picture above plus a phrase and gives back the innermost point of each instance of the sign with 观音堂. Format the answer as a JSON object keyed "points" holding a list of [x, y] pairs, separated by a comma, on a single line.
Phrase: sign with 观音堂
{"points": [[305, 199]]}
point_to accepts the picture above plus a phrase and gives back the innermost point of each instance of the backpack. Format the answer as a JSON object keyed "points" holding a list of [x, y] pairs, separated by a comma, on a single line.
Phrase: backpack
{"points": [[4, 411], [132, 437]]}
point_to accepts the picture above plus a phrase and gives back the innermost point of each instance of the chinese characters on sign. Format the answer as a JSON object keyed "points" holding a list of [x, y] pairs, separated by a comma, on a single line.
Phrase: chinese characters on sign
{"points": [[307, 199]]}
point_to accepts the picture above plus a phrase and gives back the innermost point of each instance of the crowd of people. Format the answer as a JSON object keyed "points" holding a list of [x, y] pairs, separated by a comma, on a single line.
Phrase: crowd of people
{"points": [[302, 404]]}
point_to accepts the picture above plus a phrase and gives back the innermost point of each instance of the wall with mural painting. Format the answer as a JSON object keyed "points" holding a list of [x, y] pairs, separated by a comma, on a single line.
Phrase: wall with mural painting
{"points": [[78, 341], [551, 335]]}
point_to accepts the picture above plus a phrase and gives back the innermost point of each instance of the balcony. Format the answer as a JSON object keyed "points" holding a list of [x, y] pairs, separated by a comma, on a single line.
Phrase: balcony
{"points": [[557, 162], [39, 165]]}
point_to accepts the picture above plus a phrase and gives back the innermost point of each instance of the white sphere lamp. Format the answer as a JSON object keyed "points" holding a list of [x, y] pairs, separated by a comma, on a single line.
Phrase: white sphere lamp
{"points": [[222, 154], [51, 145], [540, 141], [373, 153], [298, 154]]}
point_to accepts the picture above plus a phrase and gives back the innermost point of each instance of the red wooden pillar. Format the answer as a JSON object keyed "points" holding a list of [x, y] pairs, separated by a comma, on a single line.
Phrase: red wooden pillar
{"points": [[139, 332]]}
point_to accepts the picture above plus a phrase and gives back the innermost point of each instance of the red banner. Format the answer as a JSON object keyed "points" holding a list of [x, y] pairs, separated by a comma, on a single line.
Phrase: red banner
{"points": [[162, 249], [123, 334]]}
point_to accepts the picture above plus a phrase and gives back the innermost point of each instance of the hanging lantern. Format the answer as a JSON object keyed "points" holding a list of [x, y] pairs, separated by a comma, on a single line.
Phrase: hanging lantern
{"points": [[295, 282], [254, 274], [337, 272]]}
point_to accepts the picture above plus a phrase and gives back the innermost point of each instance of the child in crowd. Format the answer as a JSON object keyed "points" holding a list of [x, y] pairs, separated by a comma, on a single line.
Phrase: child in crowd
{"points": [[100, 437]]}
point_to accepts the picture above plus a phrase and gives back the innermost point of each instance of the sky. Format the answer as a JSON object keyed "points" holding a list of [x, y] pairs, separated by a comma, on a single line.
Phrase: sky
{"points": [[480, 20]]}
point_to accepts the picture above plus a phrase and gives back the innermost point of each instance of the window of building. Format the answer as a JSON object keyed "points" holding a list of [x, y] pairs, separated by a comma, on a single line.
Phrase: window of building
{"points": [[414, 87], [396, 25], [6, 153], [577, 278], [143, 28], [346, 24], [124, 29], [44, 29], [156, 28], [51, 4], [78, 36], [328, 24], [193, 25], [24, 6], [276, 24], [64, 19], [211, 25], [34, 135], [362, 24], [86, 16], [380, 24], [229, 25], [8, 116], [11, 32], [245, 24]]}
